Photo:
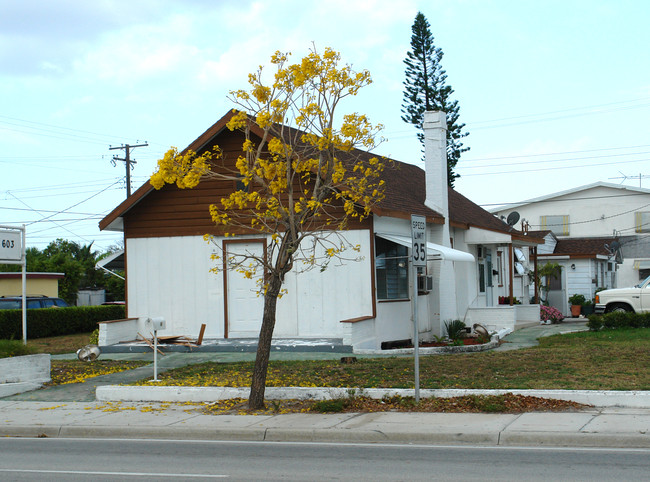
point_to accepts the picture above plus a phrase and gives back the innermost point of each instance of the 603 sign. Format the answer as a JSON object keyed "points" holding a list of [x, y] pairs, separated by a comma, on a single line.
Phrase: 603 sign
{"points": [[10, 246]]}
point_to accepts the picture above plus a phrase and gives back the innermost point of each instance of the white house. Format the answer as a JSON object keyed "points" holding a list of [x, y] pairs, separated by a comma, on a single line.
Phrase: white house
{"points": [[598, 236], [365, 302]]}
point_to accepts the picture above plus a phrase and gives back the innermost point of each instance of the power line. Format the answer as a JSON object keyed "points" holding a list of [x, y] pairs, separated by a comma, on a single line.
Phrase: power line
{"points": [[555, 153], [571, 109], [519, 163], [554, 168], [101, 135], [570, 200]]}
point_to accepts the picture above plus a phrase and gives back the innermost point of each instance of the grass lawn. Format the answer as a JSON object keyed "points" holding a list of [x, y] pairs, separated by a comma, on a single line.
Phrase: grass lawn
{"points": [[606, 360], [66, 371], [57, 345]]}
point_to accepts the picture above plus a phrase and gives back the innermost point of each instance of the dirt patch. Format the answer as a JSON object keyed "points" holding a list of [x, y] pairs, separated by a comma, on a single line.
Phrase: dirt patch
{"points": [[506, 403]]}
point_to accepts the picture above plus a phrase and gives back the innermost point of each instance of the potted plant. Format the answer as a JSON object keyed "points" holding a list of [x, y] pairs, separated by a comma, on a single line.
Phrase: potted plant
{"points": [[576, 301], [588, 308]]}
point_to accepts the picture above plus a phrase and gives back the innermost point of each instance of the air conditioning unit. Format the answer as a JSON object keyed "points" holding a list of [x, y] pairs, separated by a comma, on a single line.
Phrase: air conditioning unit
{"points": [[425, 283]]}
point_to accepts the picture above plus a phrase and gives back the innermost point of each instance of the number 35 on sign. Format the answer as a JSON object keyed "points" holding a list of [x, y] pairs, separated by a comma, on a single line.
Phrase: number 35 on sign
{"points": [[419, 240]]}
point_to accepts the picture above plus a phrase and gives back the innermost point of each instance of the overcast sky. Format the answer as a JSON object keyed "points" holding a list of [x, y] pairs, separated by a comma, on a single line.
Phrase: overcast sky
{"points": [[555, 94]]}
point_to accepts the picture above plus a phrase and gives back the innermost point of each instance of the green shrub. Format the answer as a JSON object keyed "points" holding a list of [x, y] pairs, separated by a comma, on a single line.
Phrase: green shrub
{"points": [[56, 321], [14, 348], [455, 329], [329, 406], [577, 299], [595, 322], [94, 337], [618, 320]]}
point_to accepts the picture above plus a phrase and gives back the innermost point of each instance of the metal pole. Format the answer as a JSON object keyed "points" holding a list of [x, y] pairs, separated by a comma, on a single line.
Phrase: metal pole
{"points": [[23, 256], [155, 355], [416, 334]]}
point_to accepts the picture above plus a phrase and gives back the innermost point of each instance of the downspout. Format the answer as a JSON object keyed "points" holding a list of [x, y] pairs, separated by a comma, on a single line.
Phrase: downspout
{"points": [[536, 274], [510, 273]]}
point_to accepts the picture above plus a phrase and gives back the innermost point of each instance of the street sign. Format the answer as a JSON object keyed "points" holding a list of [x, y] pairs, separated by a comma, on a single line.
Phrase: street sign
{"points": [[10, 246], [419, 240]]}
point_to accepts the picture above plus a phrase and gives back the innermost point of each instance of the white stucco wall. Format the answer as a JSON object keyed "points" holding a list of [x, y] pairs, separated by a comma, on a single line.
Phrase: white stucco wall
{"points": [[594, 212], [170, 277]]}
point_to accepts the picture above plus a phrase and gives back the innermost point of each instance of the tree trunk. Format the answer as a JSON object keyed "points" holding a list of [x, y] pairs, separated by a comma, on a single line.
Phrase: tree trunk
{"points": [[258, 382]]}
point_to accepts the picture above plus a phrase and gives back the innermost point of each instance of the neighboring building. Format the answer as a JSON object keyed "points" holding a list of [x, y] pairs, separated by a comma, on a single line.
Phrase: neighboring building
{"points": [[365, 303], [599, 236], [38, 284]]}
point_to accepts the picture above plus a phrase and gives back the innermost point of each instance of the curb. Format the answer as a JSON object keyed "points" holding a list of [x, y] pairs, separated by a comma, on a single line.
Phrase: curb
{"points": [[506, 439], [119, 393]]}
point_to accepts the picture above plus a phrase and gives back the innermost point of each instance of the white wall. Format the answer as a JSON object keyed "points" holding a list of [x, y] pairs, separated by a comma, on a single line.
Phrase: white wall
{"points": [[589, 217], [170, 277]]}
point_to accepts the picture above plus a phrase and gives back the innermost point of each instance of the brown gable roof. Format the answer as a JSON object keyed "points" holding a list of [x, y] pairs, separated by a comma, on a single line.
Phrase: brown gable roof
{"points": [[583, 247], [405, 192]]}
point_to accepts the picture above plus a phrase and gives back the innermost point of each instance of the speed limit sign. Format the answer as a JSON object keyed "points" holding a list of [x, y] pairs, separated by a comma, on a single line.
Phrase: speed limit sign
{"points": [[419, 240]]}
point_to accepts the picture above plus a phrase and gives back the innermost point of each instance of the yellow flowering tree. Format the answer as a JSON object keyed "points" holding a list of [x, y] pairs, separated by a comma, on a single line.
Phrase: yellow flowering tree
{"points": [[304, 171]]}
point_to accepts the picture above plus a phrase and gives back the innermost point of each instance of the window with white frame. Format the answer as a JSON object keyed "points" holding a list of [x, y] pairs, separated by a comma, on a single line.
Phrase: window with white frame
{"points": [[557, 224]]}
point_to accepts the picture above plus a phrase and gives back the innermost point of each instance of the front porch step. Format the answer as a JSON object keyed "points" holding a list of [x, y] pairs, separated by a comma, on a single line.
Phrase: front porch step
{"points": [[238, 345]]}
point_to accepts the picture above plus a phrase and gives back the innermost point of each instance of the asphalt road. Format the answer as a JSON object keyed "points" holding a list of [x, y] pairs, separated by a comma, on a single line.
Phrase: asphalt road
{"points": [[40, 459]]}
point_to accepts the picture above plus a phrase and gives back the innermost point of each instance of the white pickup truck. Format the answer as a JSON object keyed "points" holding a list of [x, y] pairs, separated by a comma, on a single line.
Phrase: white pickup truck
{"points": [[635, 299]]}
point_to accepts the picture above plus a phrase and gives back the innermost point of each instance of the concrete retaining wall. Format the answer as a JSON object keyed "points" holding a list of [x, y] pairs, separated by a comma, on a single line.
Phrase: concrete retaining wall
{"points": [[23, 373]]}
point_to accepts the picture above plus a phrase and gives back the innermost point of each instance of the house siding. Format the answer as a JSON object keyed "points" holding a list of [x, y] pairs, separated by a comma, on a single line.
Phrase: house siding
{"points": [[170, 277]]}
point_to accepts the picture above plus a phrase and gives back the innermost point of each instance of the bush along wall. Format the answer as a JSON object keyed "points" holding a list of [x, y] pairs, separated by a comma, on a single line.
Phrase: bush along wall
{"points": [[56, 321], [618, 319]]}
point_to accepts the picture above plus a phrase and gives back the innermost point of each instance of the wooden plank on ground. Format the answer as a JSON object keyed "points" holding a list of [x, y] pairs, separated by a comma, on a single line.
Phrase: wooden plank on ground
{"points": [[200, 339]]}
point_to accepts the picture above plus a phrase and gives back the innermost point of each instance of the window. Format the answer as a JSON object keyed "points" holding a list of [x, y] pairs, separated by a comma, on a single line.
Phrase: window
{"points": [[239, 184], [558, 225], [391, 268], [481, 277], [642, 222], [500, 268]]}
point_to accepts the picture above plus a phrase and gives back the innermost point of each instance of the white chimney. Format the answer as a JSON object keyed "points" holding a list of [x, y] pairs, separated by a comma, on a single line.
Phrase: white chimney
{"points": [[435, 160]]}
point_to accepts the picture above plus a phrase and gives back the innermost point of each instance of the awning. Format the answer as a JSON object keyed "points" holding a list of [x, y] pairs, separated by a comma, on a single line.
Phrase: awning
{"points": [[641, 264], [112, 261], [434, 251]]}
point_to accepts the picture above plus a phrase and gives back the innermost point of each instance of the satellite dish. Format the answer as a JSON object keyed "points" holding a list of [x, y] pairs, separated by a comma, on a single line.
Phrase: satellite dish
{"points": [[513, 217], [615, 245], [88, 353]]}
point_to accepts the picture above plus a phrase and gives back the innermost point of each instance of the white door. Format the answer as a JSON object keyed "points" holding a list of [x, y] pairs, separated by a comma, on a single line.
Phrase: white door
{"points": [[244, 305], [489, 294]]}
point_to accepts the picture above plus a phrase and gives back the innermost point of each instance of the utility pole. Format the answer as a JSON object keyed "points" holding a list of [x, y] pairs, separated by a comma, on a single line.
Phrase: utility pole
{"points": [[127, 162]]}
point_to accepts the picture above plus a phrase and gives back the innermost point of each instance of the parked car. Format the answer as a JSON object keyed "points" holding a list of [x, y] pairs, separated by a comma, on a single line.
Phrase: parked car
{"points": [[16, 302], [636, 299]]}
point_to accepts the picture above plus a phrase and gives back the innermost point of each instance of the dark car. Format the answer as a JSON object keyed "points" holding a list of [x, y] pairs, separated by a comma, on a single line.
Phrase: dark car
{"points": [[16, 302]]}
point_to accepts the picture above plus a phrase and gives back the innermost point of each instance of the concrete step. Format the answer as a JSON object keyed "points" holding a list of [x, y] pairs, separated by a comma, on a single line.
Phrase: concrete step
{"points": [[230, 345]]}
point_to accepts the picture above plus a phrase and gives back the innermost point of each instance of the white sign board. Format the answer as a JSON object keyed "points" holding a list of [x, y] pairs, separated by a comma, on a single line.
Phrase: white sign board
{"points": [[10, 246], [419, 240]]}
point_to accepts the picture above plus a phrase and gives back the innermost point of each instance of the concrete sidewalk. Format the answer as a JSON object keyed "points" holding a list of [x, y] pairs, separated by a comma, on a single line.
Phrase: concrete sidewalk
{"points": [[592, 428]]}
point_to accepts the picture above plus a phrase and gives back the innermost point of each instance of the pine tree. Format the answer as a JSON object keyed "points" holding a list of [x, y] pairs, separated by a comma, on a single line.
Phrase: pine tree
{"points": [[426, 89]]}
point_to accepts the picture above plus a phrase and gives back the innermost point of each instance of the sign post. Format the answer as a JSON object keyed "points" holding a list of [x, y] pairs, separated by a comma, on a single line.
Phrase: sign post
{"points": [[418, 259], [12, 251]]}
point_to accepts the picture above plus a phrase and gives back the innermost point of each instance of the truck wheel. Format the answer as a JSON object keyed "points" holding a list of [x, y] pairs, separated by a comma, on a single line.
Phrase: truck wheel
{"points": [[618, 307]]}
